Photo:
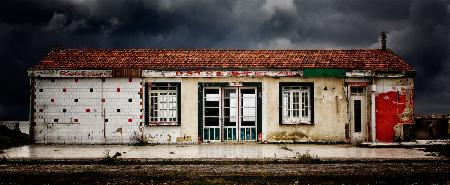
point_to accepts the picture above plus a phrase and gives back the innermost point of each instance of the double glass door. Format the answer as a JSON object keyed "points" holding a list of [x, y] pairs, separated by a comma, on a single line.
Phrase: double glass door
{"points": [[229, 114]]}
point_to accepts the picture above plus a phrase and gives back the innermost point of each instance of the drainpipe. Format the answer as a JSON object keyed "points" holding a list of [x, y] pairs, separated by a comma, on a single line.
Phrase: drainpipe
{"points": [[373, 112], [31, 109]]}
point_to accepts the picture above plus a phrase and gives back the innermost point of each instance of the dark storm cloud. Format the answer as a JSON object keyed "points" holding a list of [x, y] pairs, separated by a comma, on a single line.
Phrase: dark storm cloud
{"points": [[418, 31]]}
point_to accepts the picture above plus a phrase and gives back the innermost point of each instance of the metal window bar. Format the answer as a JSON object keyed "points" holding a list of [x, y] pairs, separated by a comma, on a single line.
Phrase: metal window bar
{"points": [[163, 105], [295, 105]]}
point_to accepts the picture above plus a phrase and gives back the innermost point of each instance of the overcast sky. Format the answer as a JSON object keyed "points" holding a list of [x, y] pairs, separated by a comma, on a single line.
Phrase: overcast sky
{"points": [[418, 30]]}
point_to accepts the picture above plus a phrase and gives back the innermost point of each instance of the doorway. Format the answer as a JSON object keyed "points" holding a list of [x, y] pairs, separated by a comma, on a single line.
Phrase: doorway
{"points": [[358, 114], [229, 114]]}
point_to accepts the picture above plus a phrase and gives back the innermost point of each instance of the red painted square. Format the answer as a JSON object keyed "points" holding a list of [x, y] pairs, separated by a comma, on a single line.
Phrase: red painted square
{"points": [[76, 79], [118, 89], [141, 116], [140, 103], [41, 110], [130, 80], [140, 90], [103, 100], [88, 110], [130, 120], [64, 90], [75, 120], [52, 100]]}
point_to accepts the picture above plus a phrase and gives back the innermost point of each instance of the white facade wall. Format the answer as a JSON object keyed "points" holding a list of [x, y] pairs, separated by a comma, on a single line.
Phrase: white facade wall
{"points": [[94, 118], [104, 124]]}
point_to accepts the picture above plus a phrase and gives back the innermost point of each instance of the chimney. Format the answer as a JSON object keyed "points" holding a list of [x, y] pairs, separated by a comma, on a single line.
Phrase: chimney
{"points": [[383, 40], [57, 48]]}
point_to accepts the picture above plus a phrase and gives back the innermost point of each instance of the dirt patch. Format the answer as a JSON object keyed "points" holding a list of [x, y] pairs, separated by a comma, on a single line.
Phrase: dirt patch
{"points": [[333, 173]]}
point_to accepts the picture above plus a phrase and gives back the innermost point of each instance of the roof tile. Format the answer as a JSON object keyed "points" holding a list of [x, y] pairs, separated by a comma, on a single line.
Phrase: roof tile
{"points": [[362, 59]]}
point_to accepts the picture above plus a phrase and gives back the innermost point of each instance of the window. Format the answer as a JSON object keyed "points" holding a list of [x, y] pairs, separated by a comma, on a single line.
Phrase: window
{"points": [[357, 90], [164, 103], [296, 103]]}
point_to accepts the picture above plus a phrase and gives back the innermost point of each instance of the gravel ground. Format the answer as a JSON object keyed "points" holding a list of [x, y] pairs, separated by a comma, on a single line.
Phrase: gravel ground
{"points": [[432, 172]]}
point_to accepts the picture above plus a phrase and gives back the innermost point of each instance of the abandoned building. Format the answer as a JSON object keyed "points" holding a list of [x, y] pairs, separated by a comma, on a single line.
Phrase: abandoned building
{"points": [[187, 96]]}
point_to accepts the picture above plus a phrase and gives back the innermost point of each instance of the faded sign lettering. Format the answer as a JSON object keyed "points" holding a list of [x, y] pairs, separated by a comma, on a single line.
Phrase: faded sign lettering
{"points": [[70, 73], [199, 73]]}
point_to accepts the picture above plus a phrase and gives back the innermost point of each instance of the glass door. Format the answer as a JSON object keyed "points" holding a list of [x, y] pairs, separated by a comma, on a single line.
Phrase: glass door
{"points": [[229, 114], [247, 121], [212, 114]]}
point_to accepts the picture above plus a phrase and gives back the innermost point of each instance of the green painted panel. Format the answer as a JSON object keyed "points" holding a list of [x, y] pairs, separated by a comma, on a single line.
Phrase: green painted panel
{"points": [[319, 72]]}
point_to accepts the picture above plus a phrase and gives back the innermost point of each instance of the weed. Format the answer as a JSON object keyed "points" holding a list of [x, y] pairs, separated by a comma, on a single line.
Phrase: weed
{"points": [[108, 159], [139, 140], [3, 159], [398, 139], [284, 147], [307, 158], [276, 158]]}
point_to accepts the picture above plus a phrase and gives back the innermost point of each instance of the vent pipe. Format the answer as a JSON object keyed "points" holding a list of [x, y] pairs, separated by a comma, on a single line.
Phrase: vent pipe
{"points": [[383, 40], [57, 47]]}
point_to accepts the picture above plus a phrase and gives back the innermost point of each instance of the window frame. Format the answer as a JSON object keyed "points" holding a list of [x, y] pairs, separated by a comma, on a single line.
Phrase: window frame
{"points": [[282, 85], [148, 103]]}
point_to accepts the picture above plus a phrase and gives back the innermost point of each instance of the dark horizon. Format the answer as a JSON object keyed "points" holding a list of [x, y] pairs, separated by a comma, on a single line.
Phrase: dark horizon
{"points": [[417, 31]]}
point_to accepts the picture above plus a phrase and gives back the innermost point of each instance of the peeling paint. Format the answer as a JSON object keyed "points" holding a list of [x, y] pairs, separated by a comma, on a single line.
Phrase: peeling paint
{"points": [[394, 106]]}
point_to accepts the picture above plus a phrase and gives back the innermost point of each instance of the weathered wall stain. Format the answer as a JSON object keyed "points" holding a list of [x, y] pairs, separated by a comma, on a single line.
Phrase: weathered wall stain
{"points": [[119, 130], [184, 139], [289, 136]]}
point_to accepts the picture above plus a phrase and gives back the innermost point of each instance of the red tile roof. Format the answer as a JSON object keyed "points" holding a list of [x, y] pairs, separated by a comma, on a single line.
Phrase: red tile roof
{"points": [[366, 59]]}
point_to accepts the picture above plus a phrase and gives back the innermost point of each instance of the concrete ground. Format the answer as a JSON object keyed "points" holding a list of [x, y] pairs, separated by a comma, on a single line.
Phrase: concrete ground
{"points": [[221, 151]]}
